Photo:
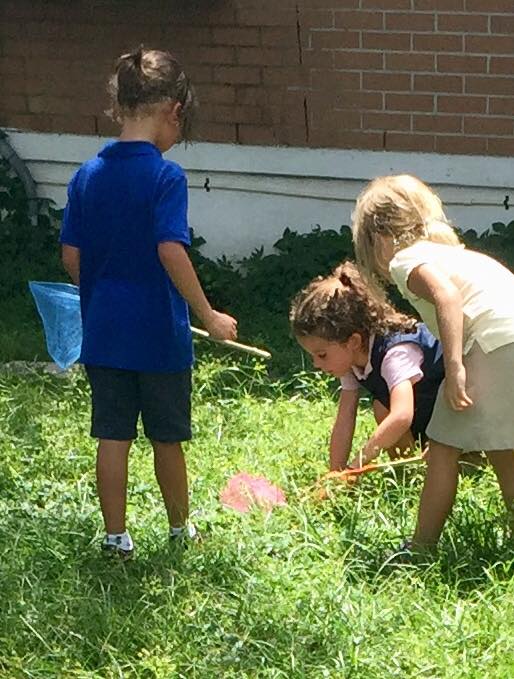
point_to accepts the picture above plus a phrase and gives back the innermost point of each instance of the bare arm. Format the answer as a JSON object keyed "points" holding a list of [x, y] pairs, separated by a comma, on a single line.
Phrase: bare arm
{"points": [[393, 427], [175, 260], [343, 429], [437, 288], [71, 261]]}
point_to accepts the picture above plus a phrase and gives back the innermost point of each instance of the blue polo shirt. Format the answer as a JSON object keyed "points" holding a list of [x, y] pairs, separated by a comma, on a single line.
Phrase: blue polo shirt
{"points": [[121, 205]]}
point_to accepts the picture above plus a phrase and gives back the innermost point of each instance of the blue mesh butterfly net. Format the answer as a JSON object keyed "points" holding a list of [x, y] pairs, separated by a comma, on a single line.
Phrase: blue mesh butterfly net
{"points": [[59, 307]]}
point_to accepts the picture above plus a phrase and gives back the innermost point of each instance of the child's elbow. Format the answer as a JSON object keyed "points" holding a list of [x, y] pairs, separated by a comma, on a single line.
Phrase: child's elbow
{"points": [[448, 296], [70, 258], [403, 422]]}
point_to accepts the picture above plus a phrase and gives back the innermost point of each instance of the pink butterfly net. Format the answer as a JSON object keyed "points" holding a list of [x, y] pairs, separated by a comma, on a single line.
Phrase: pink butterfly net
{"points": [[244, 491]]}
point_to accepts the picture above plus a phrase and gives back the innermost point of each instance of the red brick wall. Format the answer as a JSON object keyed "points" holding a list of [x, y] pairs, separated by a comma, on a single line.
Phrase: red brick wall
{"points": [[424, 75]]}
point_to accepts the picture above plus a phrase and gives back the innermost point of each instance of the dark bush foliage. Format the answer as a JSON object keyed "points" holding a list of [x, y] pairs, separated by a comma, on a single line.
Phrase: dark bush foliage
{"points": [[28, 248], [256, 289]]}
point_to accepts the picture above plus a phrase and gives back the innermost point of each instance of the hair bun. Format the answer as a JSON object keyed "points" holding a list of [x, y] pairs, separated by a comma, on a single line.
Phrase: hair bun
{"points": [[137, 56], [346, 274], [345, 279]]}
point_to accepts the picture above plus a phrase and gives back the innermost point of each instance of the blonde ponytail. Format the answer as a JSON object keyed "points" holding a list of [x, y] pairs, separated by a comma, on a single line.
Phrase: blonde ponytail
{"points": [[441, 232]]}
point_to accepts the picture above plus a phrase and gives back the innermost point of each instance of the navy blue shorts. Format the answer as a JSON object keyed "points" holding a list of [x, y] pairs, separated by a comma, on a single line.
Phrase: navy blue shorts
{"points": [[119, 396]]}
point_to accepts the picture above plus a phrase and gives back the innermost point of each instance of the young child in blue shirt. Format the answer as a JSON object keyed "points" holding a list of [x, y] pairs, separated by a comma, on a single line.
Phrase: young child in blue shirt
{"points": [[124, 242], [365, 342]]}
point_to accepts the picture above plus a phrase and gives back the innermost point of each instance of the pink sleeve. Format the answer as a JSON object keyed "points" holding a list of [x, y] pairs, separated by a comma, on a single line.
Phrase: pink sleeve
{"points": [[349, 382], [401, 363]]}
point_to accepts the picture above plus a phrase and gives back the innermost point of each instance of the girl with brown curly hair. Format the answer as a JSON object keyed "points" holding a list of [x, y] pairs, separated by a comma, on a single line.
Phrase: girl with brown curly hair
{"points": [[361, 339]]}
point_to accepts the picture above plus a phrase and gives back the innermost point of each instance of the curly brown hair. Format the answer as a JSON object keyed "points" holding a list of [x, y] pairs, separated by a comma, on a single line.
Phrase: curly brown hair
{"points": [[144, 78], [339, 305]]}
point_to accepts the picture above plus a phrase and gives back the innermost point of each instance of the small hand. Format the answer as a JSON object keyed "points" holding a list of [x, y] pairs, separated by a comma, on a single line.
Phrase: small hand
{"points": [[360, 460], [356, 463], [221, 326], [455, 388]]}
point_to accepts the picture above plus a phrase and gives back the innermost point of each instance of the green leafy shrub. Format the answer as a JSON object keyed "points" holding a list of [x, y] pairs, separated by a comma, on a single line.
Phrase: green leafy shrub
{"points": [[498, 241], [27, 246], [256, 289], [28, 250], [270, 280]]}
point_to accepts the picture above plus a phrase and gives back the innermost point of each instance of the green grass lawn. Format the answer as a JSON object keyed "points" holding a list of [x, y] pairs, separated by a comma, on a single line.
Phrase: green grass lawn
{"points": [[21, 332], [307, 591]]}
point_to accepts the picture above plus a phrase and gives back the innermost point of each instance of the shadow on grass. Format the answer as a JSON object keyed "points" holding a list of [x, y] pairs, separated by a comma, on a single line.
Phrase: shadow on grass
{"points": [[57, 584], [475, 547]]}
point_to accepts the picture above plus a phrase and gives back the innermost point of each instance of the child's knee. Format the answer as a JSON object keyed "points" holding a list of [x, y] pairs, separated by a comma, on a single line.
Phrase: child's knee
{"points": [[166, 449], [440, 454]]}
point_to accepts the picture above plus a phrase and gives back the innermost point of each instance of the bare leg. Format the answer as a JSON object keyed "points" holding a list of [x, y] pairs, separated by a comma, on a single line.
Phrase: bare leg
{"points": [[503, 464], [171, 474], [111, 482], [438, 493], [404, 445]]}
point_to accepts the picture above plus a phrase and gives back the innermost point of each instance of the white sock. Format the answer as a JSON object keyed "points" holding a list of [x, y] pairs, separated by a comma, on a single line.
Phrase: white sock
{"points": [[188, 530], [122, 540]]}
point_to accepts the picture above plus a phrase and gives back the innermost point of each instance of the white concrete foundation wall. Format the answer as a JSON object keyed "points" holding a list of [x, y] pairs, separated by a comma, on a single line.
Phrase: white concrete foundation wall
{"points": [[256, 192]]}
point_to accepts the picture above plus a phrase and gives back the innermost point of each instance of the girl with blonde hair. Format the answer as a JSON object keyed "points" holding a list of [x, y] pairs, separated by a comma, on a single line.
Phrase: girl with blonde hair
{"points": [[466, 298]]}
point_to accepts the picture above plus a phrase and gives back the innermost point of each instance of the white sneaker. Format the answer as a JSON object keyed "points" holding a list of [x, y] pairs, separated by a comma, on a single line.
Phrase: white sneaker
{"points": [[118, 545], [182, 534]]}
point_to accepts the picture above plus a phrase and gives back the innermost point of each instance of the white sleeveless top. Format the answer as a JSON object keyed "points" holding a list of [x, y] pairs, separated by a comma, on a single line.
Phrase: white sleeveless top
{"points": [[487, 290]]}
